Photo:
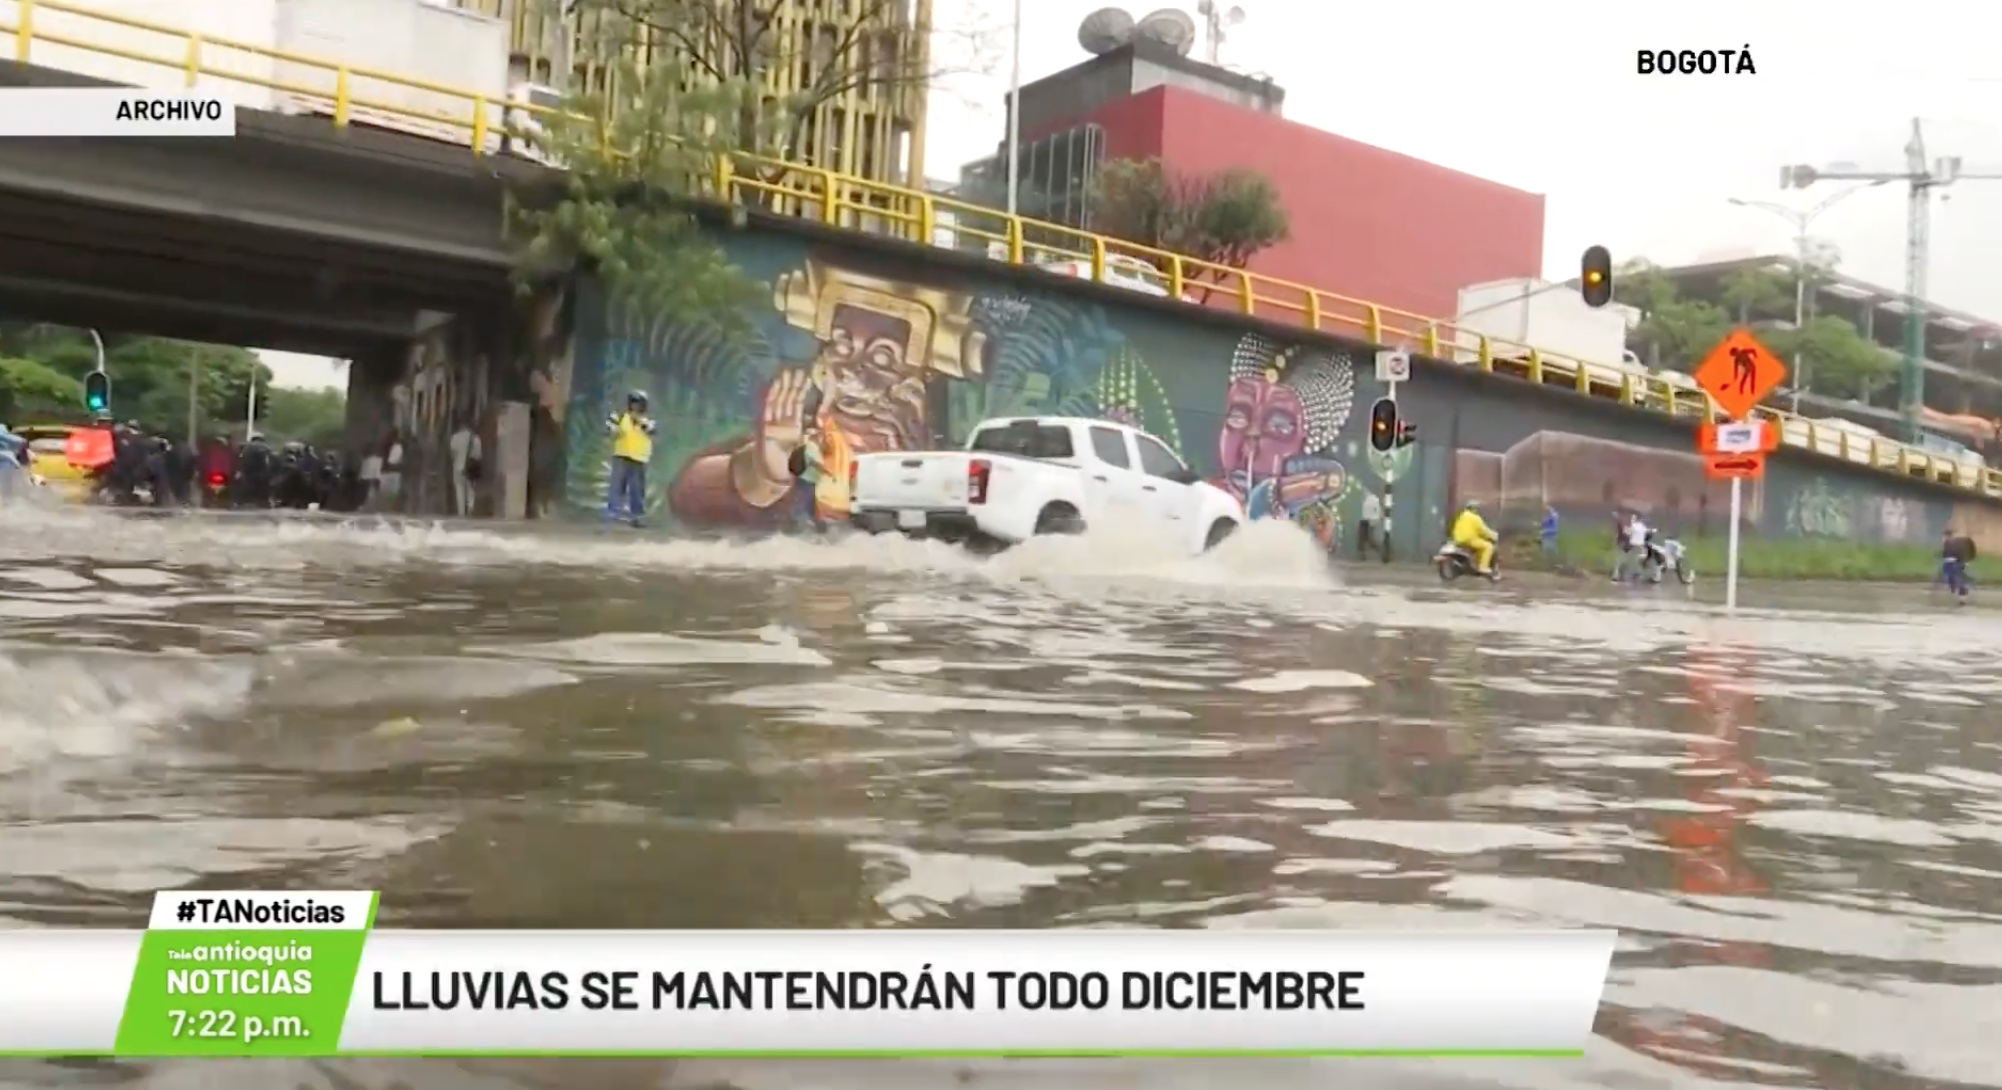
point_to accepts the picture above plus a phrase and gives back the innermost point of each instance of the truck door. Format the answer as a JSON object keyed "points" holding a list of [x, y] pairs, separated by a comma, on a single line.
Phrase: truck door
{"points": [[1164, 488], [1110, 480]]}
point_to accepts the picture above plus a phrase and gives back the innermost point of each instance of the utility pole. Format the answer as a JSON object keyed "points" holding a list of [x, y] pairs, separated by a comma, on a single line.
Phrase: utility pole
{"points": [[1922, 177]]}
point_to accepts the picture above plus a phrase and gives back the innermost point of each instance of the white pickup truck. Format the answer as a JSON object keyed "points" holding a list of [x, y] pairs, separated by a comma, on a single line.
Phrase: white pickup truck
{"points": [[1018, 478]]}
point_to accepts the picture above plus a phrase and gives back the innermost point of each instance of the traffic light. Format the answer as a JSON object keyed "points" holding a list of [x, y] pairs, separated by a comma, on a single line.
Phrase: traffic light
{"points": [[1407, 433], [1595, 277], [97, 392], [1383, 425]]}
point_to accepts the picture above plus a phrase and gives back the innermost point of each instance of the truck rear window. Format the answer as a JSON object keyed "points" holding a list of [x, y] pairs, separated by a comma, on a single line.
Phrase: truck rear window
{"points": [[1025, 440]]}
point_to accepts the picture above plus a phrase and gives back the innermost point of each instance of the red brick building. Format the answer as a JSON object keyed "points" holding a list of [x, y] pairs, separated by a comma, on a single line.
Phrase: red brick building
{"points": [[1366, 222]]}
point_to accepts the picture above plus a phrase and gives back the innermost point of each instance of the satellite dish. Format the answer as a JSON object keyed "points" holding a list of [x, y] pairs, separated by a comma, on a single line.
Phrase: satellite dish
{"points": [[1171, 27], [1105, 30]]}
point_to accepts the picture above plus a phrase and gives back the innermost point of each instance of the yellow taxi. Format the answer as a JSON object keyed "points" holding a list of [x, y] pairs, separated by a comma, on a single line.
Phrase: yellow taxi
{"points": [[49, 444]]}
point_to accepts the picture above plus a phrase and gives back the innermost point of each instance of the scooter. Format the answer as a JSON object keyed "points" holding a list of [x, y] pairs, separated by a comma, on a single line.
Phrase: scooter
{"points": [[1454, 561], [1666, 556]]}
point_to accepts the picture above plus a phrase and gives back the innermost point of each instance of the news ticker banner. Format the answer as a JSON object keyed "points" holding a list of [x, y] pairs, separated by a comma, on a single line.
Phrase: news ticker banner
{"points": [[114, 111], [305, 974]]}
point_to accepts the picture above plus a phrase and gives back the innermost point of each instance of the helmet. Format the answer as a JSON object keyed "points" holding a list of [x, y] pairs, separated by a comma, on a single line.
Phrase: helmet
{"points": [[637, 397], [1471, 505]]}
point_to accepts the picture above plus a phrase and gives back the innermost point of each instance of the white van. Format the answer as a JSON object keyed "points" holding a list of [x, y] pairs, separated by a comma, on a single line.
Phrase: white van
{"points": [[519, 137]]}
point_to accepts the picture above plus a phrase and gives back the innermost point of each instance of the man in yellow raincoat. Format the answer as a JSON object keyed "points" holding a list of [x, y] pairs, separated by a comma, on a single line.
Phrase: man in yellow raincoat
{"points": [[1471, 532]]}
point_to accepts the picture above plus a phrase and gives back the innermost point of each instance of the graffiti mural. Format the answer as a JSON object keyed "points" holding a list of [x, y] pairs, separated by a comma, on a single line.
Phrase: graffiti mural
{"points": [[1284, 409], [852, 359], [856, 351]]}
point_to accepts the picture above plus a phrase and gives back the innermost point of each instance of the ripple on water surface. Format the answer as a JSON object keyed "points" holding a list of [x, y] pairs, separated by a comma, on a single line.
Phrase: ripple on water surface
{"points": [[1796, 823]]}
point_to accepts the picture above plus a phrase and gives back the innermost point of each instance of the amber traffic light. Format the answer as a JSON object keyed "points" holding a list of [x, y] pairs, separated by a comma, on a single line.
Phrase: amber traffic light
{"points": [[1595, 276], [1383, 428]]}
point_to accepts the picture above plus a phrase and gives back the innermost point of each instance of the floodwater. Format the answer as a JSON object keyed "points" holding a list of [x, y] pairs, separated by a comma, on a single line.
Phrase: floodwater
{"points": [[1793, 816]]}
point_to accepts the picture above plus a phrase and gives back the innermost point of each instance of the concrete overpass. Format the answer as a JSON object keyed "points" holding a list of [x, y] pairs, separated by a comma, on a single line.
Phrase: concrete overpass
{"points": [[294, 235]]}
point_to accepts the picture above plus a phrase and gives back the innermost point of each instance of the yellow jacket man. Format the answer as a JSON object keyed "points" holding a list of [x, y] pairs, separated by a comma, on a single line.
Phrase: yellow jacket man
{"points": [[632, 449], [1472, 533]]}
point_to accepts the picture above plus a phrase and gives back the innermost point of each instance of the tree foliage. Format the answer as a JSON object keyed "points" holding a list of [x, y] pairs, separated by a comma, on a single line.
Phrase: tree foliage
{"points": [[690, 84], [637, 159], [1225, 218], [318, 417], [149, 375], [31, 389], [1677, 332]]}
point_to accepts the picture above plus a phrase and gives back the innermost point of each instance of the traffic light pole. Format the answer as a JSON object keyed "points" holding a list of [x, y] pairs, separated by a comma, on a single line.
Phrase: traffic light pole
{"points": [[1389, 479]]}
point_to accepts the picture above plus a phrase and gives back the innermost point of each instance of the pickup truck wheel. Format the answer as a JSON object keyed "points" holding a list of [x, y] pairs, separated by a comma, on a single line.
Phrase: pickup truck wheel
{"points": [[1219, 530], [1059, 518]]}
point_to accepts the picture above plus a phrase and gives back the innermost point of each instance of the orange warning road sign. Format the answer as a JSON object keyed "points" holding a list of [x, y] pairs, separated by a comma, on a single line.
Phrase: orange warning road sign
{"points": [[1747, 437], [1724, 467], [1739, 372]]}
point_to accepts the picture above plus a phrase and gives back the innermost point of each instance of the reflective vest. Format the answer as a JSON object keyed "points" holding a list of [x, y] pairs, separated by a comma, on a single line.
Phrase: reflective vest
{"points": [[630, 440]]}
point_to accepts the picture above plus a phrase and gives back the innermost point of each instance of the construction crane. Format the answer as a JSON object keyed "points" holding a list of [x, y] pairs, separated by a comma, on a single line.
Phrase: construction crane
{"points": [[1922, 176]]}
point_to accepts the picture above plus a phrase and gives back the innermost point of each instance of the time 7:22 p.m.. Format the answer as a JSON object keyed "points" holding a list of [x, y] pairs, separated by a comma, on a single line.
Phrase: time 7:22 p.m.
{"points": [[228, 1025]]}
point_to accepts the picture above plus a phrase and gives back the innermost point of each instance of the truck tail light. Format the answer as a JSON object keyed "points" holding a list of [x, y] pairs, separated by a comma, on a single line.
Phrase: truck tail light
{"points": [[977, 473]]}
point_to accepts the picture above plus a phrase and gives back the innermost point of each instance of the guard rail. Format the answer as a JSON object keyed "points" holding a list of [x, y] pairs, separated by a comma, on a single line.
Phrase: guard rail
{"points": [[341, 92]]}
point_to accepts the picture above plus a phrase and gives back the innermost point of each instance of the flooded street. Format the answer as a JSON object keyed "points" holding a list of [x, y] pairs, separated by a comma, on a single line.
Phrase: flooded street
{"points": [[1793, 816]]}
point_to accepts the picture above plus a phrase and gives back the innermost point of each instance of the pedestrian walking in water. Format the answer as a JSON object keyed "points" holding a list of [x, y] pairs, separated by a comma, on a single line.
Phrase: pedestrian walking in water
{"points": [[390, 485], [465, 445], [1546, 534], [1956, 552], [807, 466], [1369, 528], [632, 448]]}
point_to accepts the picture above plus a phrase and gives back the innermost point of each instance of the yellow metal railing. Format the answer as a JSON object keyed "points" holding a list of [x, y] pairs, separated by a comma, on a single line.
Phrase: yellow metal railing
{"points": [[341, 91]]}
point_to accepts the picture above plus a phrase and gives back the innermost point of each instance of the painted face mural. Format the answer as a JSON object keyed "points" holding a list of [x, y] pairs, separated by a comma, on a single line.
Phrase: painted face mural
{"points": [[1283, 410], [861, 388]]}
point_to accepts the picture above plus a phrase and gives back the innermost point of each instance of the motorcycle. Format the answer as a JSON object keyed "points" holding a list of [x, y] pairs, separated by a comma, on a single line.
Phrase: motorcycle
{"points": [[1666, 556], [1454, 561]]}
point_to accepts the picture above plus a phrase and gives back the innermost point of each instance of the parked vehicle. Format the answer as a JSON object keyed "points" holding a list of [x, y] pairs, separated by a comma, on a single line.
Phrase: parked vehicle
{"points": [[524, 129], [1130, 273], [1020, 478]]}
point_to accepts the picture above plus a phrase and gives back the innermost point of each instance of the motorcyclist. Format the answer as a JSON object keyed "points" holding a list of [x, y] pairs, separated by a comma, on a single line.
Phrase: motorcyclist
{"points": [[128, 460], [1635, 545], [253, 472], [14, 459], [1471, 532]]}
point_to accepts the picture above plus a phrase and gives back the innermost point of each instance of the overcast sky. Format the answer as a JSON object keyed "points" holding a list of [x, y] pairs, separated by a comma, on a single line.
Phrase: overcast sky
{"points": [[1542, 94], [292, 370]]}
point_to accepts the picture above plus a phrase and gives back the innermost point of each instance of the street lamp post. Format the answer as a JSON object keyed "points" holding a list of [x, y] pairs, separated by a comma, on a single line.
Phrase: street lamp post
{"points": [[1015, 115], [1800, 220]]}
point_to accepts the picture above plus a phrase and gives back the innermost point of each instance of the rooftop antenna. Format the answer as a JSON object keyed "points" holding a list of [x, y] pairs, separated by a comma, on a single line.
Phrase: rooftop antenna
{"points": [[1217, 22]]}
